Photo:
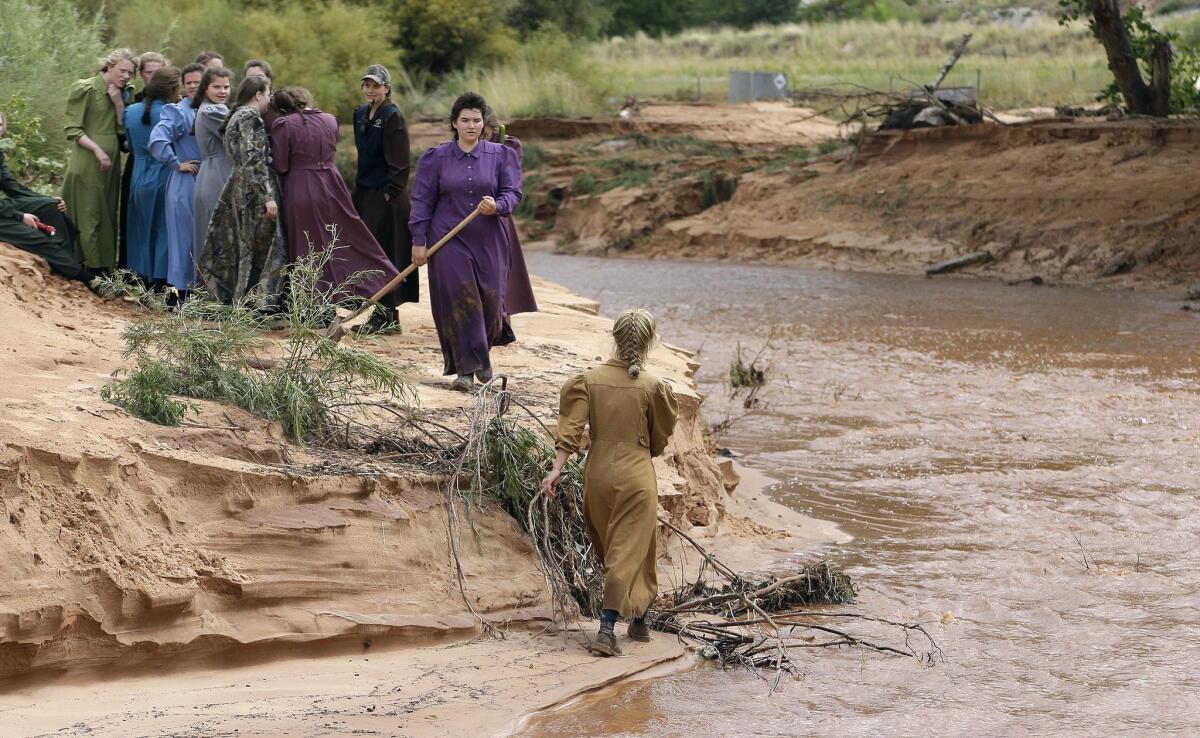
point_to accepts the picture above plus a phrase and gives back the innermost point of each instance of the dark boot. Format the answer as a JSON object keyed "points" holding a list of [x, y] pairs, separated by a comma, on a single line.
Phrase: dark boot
{"points": [[639, 630], [605, 644]]}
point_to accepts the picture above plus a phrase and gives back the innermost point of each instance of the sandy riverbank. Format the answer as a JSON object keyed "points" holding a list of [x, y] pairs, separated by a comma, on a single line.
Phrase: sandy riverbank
{"points": [[150, 573]]}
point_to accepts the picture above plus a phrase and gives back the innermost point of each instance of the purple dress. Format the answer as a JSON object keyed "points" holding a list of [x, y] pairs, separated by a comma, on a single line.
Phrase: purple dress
{"points": [[315, 196], [518, 298], [469, 275]]}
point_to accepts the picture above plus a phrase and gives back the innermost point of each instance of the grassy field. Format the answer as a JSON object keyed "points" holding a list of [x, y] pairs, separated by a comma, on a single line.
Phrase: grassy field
{"points": [[1034, 64], [1016, 64]]}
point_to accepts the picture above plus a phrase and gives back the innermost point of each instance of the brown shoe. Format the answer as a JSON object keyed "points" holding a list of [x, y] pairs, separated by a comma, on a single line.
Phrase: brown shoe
{"points": [[463, 383], [605, 645], [639, 631]]}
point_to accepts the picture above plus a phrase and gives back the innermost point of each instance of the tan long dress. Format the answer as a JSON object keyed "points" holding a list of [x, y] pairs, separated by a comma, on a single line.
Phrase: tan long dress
{"points": [[631, 421]]}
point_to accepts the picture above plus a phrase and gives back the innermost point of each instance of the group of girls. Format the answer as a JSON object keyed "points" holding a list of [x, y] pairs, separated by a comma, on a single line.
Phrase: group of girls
{"points": [[231, 181]]}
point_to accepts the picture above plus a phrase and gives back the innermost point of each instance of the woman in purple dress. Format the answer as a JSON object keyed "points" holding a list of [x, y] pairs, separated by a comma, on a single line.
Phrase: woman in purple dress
{"points": [[317, 206], [468, 277]]}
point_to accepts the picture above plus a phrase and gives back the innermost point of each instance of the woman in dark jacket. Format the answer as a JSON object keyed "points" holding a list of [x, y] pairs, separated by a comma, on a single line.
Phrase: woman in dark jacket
{"points": [[22, 209], [381, 185]]}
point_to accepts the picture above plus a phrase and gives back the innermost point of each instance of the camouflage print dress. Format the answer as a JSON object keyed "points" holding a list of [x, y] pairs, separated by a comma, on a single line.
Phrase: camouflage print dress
{"points": [[244, 250]]}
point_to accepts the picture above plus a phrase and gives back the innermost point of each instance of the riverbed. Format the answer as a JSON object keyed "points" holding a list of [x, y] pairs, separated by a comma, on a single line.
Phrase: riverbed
{"points": [[1015, 463]]}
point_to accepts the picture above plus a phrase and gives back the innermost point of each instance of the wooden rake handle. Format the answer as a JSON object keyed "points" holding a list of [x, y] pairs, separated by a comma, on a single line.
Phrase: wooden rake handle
{"points": [[336, 331], [428, 255]]}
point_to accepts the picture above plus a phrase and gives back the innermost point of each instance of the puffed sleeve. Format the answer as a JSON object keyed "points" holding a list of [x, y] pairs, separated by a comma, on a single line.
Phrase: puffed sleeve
{"points": [[280, 146], [515, 144], [508, 182], [215, 114], [424, 198], [663, 411], [164, 135], [77, 102], [572, 415], [249, 138]]}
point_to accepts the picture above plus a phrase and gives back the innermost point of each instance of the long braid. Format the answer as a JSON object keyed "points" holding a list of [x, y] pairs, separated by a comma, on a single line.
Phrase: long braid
{"points": [[633, 331]]}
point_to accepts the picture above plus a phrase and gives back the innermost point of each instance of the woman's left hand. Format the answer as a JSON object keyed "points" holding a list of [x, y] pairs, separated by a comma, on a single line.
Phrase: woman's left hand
{"points": [[272, 210], [62, 205], [487, 205], [550, 483]]}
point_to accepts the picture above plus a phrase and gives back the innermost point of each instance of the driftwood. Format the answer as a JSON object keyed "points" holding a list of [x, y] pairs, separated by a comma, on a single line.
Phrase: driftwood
{"points": [[953, 265], [950, 62], [756, 620]]}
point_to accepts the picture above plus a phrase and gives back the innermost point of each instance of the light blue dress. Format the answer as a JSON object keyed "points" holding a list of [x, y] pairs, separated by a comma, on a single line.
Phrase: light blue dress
{"points": [[146, 229], [172, 142]]}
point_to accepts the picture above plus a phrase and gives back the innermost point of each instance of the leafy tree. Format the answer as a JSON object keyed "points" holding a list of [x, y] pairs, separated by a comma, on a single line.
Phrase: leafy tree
{"points": [[180, 29], [328, 63], [745, 13], [1136, 51], [653, 17], [45, 45], [583, 18], [442, 36]]}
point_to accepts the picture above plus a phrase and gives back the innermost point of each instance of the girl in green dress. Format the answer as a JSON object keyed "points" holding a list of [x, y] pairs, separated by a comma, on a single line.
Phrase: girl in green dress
{"points": [[92, 184]]}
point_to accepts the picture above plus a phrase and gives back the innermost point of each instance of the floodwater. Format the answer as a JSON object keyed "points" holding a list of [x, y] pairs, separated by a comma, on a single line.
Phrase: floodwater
{"points": [[1017, 466]]}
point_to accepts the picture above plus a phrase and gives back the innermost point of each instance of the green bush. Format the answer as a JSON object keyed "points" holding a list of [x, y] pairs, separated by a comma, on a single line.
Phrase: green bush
{"points": [[584, 183], [203, 350], [532, 157], [45, 45], [328, 63], [24, 147], [442, 36], [546, 76], [181, 29], [584, 18]]}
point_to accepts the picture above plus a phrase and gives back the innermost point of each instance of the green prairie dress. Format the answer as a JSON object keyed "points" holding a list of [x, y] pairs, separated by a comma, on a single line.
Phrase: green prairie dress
{"points": [[631, 421], [93, 196]]}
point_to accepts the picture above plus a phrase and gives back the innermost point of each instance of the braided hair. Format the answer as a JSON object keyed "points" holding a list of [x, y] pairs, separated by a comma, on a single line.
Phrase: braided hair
{"points": [[633, 331]]}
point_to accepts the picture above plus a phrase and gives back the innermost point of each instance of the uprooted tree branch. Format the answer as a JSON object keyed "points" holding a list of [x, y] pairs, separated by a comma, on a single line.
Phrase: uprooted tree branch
{"points": [[754, 620]]}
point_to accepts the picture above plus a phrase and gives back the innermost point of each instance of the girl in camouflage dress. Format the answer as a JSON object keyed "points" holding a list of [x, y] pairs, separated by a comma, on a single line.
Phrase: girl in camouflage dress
{"points": [[245, 250]]}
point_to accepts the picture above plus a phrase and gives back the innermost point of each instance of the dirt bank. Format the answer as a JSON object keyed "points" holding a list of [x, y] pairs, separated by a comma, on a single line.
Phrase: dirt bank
{"points": [[130, 548], [1079, 201]]}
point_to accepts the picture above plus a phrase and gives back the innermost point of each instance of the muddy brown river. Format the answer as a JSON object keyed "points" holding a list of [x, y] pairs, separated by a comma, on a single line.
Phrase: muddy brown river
{"points": [[1017, 466]]}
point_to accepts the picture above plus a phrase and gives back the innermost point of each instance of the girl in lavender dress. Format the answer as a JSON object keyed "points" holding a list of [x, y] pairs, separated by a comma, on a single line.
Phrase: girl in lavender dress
{"points": [[469, 275]]}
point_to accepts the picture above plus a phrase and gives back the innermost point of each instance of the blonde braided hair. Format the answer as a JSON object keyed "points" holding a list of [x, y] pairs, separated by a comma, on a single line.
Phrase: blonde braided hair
{"points": [[633, 331]]}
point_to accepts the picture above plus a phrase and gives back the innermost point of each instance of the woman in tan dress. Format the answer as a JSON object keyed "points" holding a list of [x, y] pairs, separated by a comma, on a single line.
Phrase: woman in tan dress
{"points": [[631, 415]]}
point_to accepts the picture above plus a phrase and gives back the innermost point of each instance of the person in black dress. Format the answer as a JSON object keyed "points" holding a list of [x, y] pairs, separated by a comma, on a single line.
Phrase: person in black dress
{"points": [[381, 186]]}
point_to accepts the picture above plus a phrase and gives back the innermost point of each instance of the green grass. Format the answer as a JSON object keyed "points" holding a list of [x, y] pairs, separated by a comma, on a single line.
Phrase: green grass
{"points": [[1034, 63], [1038, 63]]}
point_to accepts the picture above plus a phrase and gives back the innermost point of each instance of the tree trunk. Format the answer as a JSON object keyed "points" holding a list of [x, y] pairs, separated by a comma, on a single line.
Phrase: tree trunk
{"points": [[1121, 60], [1160, 78]]}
